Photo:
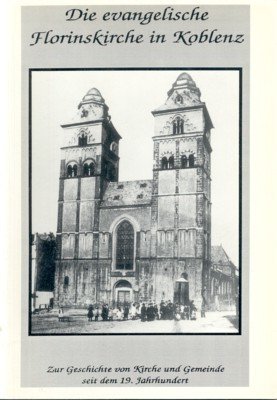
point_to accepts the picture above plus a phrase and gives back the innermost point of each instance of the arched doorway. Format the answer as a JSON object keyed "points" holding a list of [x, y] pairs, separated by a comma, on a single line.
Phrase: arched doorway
{"points": [[181, 290], [123, 293]]}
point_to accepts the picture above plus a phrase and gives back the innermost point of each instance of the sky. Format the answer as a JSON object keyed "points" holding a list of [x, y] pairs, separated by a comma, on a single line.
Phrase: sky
{"points": [[131, 96]]}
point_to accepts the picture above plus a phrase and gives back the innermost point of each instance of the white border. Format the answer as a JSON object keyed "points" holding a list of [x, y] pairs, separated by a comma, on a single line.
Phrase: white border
{"points": [[263, 204]]}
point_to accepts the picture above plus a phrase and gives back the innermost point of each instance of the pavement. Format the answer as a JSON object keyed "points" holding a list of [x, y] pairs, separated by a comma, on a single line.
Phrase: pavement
{"points": [[215, 322]]}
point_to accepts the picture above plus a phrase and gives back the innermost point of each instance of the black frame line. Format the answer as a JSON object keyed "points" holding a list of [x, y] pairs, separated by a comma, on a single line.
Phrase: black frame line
{"points": [[240, 70]]}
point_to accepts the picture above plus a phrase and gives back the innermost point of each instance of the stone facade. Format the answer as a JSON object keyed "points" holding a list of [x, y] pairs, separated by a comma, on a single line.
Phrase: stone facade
{"points": [[131, 241]]}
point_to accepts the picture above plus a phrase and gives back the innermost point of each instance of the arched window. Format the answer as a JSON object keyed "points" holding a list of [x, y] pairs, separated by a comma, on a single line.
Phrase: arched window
{"points": [[66, 281], [69, 171], [174, 127], [181, 126], [125, 246], [72, 170], [113, 146], [75, 170], [171, 162], [164, 163], [179, 99], [89, 169], [191, 160], [83, 140], [184, 161], [178, 126]]}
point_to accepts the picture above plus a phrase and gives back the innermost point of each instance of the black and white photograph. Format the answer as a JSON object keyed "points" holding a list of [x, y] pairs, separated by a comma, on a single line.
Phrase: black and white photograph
{"points": [[135, 201]]}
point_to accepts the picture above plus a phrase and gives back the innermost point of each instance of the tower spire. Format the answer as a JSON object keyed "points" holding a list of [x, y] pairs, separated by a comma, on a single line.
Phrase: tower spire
{"points": [[184, 92]]}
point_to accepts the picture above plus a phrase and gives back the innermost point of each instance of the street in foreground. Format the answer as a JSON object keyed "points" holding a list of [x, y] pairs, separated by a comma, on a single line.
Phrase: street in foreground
{"points": [[215, 322]]}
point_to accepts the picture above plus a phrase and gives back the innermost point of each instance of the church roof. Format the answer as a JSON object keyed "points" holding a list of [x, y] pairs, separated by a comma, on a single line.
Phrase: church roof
{"points": [[182, 76], [94, 91], [93, 95], [183, 95], [128, 193], [219, 256]]}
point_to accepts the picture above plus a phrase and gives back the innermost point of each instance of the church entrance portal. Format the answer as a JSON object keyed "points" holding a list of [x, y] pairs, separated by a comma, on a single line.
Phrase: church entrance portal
{"points": [[181, 290], [123, 293]]}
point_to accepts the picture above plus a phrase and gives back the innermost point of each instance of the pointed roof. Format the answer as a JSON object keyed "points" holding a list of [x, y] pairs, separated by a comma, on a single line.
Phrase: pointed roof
{"points": [[93, 95], [219, 255], [91, 109], [184, 81], [184, 95]]}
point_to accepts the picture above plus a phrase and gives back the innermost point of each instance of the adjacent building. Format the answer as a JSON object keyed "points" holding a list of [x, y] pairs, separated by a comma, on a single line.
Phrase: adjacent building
{"points": [[224, 280], [43, 270]]}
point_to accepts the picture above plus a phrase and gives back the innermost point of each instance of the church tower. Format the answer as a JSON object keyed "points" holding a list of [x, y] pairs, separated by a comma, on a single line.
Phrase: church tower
{"points": [[89, 162], [145, 240], [181, 198]]}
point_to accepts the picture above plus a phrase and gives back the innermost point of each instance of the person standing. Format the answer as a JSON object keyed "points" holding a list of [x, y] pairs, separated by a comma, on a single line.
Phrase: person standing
{"points": [[126, 312], [114, 314], [60, 315], [203, 309], [204, 302], [119, 314], [156, 311], [133, 311], [110, 315], [170, 310], [105, 312], [138, 308], [150, 312], [177, 312], [162, 310], [143, 313], [97, 313], [90, 312], [193, 310]]}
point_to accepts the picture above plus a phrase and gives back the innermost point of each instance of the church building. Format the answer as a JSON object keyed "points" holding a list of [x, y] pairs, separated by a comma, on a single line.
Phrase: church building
{"points": [[135, 241]]}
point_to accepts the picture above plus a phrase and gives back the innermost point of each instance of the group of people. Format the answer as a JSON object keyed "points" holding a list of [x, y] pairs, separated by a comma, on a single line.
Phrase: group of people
{"points": [[112, 313], [166, 310]]}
